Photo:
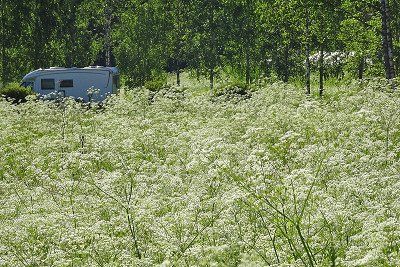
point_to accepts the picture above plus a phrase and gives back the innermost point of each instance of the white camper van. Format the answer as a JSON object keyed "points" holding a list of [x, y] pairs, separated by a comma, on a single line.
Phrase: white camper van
{"points": [[93, 83]]}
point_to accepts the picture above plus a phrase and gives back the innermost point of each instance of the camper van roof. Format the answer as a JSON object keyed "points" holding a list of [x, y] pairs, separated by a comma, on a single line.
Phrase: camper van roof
{"points": [[38, 72]]}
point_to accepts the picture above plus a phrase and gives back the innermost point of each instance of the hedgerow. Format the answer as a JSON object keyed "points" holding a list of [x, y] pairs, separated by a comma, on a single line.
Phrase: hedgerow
{"points": [[278, 179]]}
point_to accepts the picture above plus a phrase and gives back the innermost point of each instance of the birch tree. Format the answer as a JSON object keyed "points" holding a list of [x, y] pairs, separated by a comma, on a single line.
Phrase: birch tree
{"points": [[387, 40]]}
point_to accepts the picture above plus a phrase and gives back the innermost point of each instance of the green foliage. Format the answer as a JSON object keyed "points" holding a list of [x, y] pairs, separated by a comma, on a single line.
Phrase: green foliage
{"points": [[156, 85], [246, 39], [15, 92]]}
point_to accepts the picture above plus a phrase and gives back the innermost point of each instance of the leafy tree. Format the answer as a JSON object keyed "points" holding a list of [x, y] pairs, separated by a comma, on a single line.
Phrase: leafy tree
{"points": [[12, 42], [329, 16], [177, 19], [241, 38], [358, 33], [42, 23], [142, 47], [241, 46], [395, 14], [208, 30], [285, 31]]}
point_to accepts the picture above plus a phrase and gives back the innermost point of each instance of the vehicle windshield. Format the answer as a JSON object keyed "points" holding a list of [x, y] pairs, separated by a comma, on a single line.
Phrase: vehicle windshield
{"points": [[27, 84], [116, 81]]}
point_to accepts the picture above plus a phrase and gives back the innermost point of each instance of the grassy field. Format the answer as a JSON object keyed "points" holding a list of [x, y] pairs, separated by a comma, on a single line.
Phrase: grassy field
{"points": [[188, 180]]}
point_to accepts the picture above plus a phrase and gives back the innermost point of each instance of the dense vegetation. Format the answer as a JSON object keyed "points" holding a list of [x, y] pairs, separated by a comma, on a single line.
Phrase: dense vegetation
{"points": [[246, 39], [16, 93], [250, 173], [183, 178]]}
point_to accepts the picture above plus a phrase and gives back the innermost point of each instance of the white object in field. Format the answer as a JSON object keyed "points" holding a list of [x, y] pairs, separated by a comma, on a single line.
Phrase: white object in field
{"points": [[93, 83]]}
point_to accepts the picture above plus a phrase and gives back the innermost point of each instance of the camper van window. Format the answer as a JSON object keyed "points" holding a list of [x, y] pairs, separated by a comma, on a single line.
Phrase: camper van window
{"points": [[27, 84], [48, 84], [66, 83]]}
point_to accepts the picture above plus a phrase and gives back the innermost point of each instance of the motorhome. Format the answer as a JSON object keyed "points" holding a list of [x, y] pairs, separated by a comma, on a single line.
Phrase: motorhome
{"points": [[92, 83]]}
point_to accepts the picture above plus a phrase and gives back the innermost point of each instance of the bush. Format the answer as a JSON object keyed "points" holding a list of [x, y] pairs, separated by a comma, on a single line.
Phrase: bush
{"points": [[155, 86], [234, 90], [15, 92], [167, 91], [159, 88]]}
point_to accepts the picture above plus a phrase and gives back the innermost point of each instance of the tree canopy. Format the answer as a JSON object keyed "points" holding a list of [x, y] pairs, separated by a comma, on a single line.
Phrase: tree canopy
{"points": [[246, 39]]}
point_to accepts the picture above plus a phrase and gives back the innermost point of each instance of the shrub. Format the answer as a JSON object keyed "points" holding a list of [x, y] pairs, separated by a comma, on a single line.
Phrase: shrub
{"points": [[173, 92], [159, 88], [234, 91], [15, 92], [155, 86]]}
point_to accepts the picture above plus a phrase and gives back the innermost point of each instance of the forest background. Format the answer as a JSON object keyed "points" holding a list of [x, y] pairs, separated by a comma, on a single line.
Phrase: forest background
{"points": [[244, 39]]}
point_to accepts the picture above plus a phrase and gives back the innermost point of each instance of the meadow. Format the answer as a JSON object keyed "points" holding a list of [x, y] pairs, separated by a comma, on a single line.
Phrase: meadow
{"points": [[186, 179]]}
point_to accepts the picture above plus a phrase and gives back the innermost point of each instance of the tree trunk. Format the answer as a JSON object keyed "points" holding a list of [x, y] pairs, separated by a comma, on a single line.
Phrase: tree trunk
{"points": [[387, 41], [397, 58], [178, 76], [107, 41], [178, 46], [72, 36], [321, 70], [212, 48], [361, 67], [286, 66], [308, 67], [3, 64], [198, 73], [3, 47], [248, 78], [212, 80], [37, 36], [248, 22]]}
